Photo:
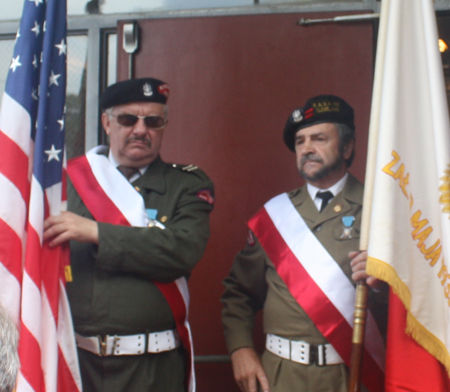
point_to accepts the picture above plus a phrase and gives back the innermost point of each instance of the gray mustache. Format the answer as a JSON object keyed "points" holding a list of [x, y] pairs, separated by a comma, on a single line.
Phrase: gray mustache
{"points": [[310, 157], [139, 138]]}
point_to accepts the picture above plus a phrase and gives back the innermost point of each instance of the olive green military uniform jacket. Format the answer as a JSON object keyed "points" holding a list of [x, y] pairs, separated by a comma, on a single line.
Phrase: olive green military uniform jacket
{"points": [[112, 290], [254, 284]]}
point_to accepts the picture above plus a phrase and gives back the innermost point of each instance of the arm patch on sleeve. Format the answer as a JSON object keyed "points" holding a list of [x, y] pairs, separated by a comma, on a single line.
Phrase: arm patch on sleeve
{"points": [[206, 195]]}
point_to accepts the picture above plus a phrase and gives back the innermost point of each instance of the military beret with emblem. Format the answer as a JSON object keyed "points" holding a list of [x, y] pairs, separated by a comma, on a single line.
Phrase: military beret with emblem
{"points": [[320, 109], [135, 90]]}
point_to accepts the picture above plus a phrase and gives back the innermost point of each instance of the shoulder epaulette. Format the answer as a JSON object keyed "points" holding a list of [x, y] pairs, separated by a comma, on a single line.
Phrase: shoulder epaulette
{"points": [[186, 168], [190, 169]]}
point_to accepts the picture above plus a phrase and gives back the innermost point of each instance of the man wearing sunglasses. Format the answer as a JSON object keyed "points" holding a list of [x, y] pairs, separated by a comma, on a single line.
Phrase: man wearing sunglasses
{"points": [[137, 226], [300, 267]]}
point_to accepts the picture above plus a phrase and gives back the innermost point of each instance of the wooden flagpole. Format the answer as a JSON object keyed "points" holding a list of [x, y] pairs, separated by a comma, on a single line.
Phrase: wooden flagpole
{"points": [[359, 328]]}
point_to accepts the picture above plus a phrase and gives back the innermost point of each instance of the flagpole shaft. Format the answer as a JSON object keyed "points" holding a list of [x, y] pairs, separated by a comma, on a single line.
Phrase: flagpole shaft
{"points": [[359, 328]]}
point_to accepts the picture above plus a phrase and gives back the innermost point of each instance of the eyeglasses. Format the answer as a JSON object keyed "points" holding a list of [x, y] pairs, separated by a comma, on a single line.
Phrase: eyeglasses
{"points": [[128, 120]]}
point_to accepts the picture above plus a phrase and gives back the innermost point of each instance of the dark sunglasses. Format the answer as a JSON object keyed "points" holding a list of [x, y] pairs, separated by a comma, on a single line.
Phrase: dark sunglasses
{"points": [[128, 120]]}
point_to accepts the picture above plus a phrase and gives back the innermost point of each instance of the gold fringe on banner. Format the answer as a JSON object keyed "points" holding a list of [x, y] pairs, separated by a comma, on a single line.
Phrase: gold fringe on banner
{"points": [[414, 328]]}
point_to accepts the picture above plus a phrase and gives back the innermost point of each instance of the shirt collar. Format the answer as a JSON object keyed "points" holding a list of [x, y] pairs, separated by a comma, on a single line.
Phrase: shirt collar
{"points": [[334, 189], [115, 164]]}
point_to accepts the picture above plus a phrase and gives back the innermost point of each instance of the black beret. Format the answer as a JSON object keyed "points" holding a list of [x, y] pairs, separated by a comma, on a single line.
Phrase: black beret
{"points": [[320, 109], [135, 90]]}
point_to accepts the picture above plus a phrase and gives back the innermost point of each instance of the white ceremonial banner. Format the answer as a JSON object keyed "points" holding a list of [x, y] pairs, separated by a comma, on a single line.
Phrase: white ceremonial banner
{"points": [[406, 220]]}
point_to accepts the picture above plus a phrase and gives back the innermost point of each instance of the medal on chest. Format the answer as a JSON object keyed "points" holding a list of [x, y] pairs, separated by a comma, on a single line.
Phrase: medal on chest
{"points": [[347, 226]]}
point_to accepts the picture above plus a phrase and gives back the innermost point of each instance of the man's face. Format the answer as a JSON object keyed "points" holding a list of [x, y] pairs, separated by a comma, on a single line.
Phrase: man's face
{"points": [[134, 145], [320, 160]]}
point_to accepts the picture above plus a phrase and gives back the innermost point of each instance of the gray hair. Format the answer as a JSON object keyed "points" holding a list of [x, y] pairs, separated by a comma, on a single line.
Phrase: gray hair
{"points": [[346, 135], [9, 358]]}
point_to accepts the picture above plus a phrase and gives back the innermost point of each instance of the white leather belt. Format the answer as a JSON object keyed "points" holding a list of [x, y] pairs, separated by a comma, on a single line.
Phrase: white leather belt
{"points": [[302, 352], [155, 342]]}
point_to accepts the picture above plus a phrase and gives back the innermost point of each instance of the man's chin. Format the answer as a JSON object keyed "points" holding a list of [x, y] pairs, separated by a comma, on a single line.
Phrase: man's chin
{"points": [[313, 176], [140, 156], [310, 174]]}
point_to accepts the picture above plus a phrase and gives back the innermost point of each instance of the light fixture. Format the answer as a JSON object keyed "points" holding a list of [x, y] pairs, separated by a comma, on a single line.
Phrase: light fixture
{"points": [[443, 47]]}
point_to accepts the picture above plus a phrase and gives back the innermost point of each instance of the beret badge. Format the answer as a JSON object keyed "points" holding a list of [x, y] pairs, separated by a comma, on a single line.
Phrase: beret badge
{"points": [[147, 90], [297, 115]]}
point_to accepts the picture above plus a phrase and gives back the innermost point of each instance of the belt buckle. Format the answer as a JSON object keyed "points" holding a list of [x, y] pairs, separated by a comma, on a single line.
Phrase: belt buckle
{"points": [[313, 357], [103, 344]]}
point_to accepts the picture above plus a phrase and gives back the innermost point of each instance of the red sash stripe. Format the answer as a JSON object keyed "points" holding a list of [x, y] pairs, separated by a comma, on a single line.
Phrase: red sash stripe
{"points": [[94, 197]]}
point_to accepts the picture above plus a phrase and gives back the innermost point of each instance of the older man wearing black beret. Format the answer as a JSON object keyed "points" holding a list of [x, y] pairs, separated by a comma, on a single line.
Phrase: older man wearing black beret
{"points": [[137, 226], [300, 265]]}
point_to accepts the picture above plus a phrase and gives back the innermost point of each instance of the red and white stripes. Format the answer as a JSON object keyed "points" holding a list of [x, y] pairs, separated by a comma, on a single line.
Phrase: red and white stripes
{"points": [[32, 285]]}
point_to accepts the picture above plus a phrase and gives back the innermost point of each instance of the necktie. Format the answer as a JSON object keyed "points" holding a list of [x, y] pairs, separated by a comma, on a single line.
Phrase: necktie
{"points": [[326, 197], [128, 172]]}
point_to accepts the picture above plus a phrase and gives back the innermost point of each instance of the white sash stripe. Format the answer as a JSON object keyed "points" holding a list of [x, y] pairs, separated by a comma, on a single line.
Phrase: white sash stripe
{"points": [[315, 259], [312, 255], [118, 188]]}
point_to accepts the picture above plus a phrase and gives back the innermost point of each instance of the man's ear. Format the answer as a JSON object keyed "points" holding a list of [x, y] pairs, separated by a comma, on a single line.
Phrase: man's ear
{"points": [[106, 123], [348, 149]]}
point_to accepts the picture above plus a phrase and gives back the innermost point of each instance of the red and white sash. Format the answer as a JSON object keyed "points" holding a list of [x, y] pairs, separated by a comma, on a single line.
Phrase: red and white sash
{"points": [[317, 283], [110, 198]]}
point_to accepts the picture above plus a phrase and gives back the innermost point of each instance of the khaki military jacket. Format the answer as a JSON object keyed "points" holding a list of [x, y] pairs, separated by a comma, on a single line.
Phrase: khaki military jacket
{"points": [[254, 284], [112, 290]]}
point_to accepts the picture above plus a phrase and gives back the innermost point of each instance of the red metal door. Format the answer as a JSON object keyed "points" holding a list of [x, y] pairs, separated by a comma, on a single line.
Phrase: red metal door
{"points": [[234, 80]]}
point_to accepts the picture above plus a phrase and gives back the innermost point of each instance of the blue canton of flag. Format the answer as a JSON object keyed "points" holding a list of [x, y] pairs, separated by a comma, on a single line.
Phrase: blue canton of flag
{"points": [[37, 81]]}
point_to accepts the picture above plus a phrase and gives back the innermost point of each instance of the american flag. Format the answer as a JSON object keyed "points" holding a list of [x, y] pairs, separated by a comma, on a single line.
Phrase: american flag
{"points": [[32, 276]]}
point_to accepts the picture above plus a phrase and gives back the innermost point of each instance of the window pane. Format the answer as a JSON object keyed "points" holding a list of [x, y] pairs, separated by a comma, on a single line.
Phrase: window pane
{"points": [[77, 7], [112, 59], [76, 95], [6, 52]]}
